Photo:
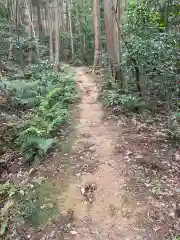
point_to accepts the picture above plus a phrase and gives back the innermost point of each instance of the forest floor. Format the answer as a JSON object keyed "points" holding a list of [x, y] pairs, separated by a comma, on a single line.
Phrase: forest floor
{"points": [[118, 179]]}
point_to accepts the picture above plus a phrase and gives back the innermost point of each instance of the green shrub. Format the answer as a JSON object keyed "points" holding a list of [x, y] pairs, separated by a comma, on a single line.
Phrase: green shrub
{"points": [[174, 126], [126, 101], [49, 96]]}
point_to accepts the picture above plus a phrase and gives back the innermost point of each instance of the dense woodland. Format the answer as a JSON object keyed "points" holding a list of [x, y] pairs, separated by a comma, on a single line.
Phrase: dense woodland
{"points": [[133, 44]]}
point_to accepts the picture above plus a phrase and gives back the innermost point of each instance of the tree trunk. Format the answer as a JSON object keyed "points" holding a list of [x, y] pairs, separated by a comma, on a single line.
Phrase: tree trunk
{"points": [[57, 67], [39, 22], [109, 30], [134, 62], [112, 37], [96, 24], [17, 21], [50, 33], [70, 28], [62, 25], [32, 26], [45, 21], [166, 16], [10, 30]]}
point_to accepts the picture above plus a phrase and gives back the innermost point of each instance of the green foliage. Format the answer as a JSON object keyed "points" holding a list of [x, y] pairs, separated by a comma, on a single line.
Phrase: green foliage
{"points": [[153, 40], [48, 96], [112, 95], [4, 18], [174, 126], [37, 206], [31, 202], [175, 238], [126, 101], [7, 190]]}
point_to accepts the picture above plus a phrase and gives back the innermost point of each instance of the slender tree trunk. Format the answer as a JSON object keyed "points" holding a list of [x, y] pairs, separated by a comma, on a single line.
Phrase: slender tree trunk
{"points": [[46, 21], [166, 16], [10, 30], [31, 33], [62, 27], [17, 21], [134, 62], [96, 24], [30, 19], [67, 17], [50, 32], [32, 26], [57, 67], [39, 22], [70, 28]]}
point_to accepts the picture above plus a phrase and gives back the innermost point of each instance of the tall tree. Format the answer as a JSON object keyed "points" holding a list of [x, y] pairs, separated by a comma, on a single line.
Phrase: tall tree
{"points": [[10, 28], [57, 40], [70, 28], [39, 22], [96, 24], [112, 37], [48, 6]]}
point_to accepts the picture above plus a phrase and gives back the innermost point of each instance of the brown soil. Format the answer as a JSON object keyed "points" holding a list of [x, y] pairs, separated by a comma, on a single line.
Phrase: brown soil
{"points": [[115, 155]]}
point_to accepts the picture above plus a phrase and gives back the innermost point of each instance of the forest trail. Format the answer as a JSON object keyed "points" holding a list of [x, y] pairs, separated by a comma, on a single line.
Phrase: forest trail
{"points": [[114, 213]]}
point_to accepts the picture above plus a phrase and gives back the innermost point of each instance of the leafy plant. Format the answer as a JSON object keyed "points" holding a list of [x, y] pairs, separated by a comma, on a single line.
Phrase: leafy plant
{"points": [[174, 126], [175, 238], [37, 205], [127, 101], [7, 195], [154, 186], [47, 97]]}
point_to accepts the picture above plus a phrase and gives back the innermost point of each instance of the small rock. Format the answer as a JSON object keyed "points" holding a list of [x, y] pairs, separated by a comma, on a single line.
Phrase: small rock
{"points": [[177, 156], [73, 232], [165, 130], [142, 127], [160, 134], [119, 148], [32, 170], [149, 120], [14, 168], [52, 234], [92, 149], [86, 135], [138, 157], [156, 228], [48, 205], [78, 174], [83, 191], [68, 225]]}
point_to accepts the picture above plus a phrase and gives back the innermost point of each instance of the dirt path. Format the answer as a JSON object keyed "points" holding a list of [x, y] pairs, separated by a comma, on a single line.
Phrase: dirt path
{"points": [[133, 170], [136, 173], [114, 214]]}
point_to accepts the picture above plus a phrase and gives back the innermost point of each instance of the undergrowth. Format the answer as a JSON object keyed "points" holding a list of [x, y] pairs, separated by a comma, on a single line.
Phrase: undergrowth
{"points": [[34, 109], [122, 101], [33, 203], [113, 96], [41, 103]]}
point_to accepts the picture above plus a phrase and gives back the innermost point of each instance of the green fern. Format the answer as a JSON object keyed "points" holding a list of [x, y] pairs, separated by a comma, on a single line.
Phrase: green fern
{"points": [[36, 147], [49, 95]]}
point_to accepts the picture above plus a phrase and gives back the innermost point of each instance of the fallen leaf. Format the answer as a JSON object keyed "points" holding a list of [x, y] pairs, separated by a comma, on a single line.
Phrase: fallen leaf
{"points": [[3, 227], [9, 204]]}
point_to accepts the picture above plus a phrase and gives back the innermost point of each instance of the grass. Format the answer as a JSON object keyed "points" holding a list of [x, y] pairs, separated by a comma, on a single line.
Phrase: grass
{"points": [[39, 206]]}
